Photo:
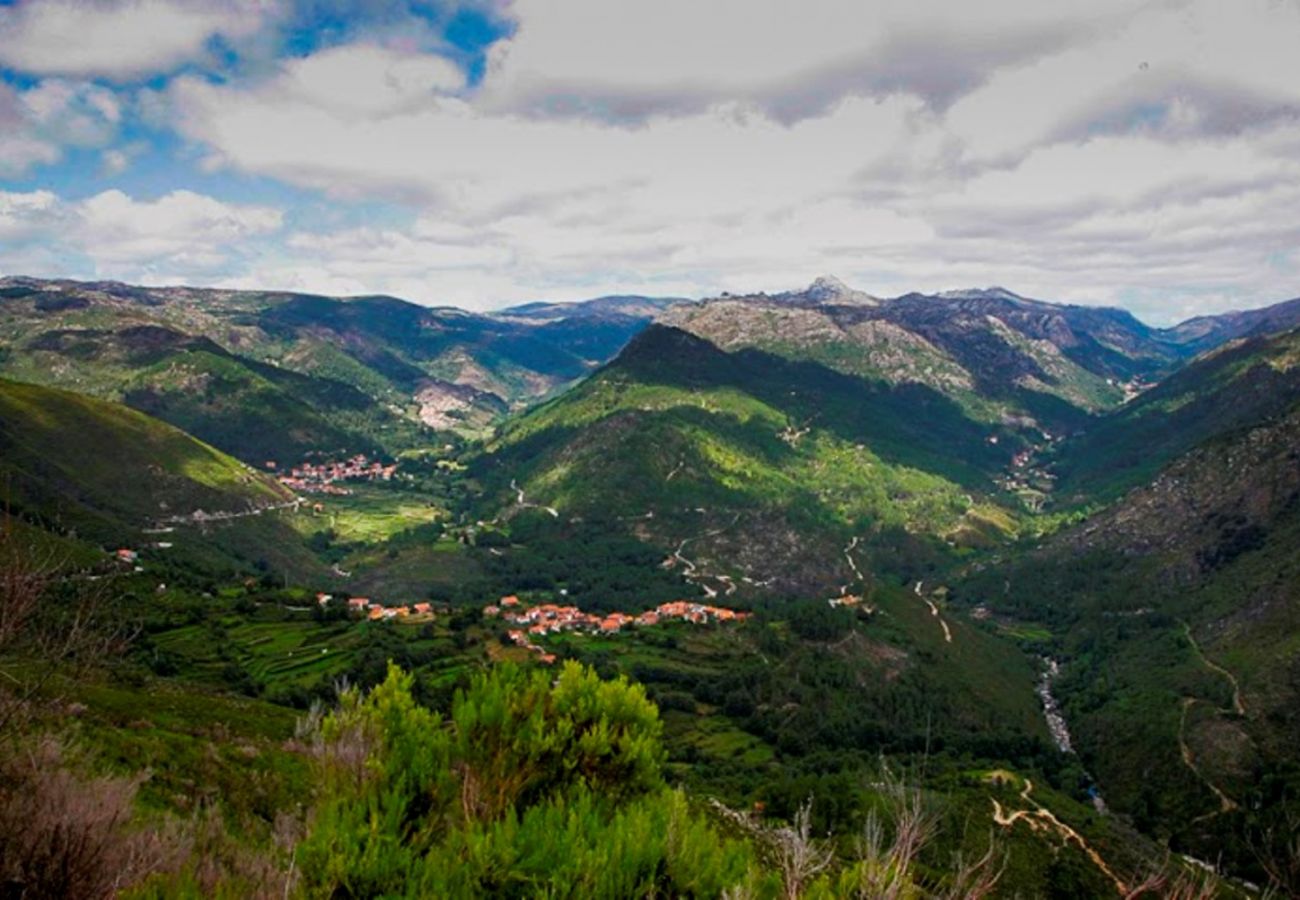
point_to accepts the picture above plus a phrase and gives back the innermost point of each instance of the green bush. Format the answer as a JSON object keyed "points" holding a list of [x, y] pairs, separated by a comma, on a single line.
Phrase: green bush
{"points": [[535, 785]]}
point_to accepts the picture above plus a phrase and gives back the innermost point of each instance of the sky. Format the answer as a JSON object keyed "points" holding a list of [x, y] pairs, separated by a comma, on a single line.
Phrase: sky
{"points": [[487, 152]]}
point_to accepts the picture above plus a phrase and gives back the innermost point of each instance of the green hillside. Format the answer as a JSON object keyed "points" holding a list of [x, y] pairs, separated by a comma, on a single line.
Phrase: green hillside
{"points": [[273, 375], [1001, 357], [766, 465], [1177, 613], [1246, 381], [250, 409], [104, 474], [768, 456]]}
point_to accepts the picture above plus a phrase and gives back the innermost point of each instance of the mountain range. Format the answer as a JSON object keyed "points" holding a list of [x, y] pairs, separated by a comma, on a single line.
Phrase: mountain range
{"points": [[921, 497]]}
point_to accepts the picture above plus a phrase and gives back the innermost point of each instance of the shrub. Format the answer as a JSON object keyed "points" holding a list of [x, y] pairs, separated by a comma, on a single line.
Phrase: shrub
{"points": [[535, 784], [62, 835]]}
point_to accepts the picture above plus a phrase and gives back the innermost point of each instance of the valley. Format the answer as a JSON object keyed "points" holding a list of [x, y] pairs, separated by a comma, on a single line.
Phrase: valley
{"points": [[828, 534]]}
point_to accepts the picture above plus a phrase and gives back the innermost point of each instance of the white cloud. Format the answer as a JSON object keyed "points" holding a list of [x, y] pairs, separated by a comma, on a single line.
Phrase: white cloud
{"points": [[365, 80], [1111, 151], [120, 237], [24, 216], [116, 229], [37, 123], [1181, 68], [119, 38]]}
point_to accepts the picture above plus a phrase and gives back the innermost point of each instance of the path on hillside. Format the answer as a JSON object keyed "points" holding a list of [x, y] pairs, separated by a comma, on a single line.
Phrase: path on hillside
{"points": [[934, 611], [1237, 706], [691, 571], [853, 566], [202, 517], [520, 501], [1042, 818], [1226, 803]]}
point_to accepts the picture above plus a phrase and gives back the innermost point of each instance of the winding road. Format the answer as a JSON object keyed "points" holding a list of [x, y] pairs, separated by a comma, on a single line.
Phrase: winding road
{"points": [[1226, 803], [934, 611], [202, 517], [1237, 706], [1040, 817], [691, 571], [519, 501]]}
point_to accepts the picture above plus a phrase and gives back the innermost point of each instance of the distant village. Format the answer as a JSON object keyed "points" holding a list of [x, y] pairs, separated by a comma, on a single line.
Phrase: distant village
{"points": [[323, 478], [549, 618], [369, 609]]}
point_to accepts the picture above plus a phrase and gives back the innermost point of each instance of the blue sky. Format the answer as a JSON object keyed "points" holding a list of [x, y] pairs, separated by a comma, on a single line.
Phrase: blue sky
{"points": [[486, 152]]}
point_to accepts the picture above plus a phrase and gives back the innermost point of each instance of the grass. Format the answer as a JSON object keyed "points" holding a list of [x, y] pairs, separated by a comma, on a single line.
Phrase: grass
{"points": [[369, 515], [411, 573]]}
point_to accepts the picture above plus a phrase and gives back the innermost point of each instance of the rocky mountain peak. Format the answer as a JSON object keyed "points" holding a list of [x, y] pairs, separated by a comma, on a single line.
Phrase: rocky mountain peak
{"points": [[829, 289]]}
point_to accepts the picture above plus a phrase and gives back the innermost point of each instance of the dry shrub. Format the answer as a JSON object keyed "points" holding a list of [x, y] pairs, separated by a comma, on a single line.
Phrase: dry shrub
{"points": [[64, 835], [52, 621], [884, 866], [1172, 882], [219, 866]]}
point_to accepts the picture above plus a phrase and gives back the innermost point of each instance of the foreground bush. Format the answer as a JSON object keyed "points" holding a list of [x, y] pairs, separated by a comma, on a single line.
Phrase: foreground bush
{"points": [[533, 786]]}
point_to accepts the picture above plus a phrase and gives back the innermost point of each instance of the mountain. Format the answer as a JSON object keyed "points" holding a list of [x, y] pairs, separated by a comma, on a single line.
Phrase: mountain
{"points": [[806, 419], [255, 410], [766, 453], [1178, 606], [1204, 332], [615, 307], [269, 375], [102, 473], [1245, 381], [767, 466], [1000, 356]]}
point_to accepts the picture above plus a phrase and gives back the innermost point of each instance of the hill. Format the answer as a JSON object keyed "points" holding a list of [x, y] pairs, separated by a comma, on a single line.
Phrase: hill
{"points": [[103, 474], [1002, 357], [254, 410], [766, 466], [1206, 332], [1245, 381]]}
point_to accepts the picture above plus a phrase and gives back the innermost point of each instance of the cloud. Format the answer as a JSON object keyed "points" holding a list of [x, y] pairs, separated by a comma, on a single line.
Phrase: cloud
{"points": [[625, 59], [24, 216], [1112, 151], [37, 123], [113, 235], [1175, 69], [119, 39], [367, 81]]}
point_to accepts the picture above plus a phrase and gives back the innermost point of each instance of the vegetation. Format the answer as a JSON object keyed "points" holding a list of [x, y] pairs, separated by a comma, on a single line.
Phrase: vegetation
{"points": [[198, 718]]}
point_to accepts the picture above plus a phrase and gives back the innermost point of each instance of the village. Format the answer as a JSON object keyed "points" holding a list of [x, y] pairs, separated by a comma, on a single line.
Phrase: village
{"points": [[322, 478], [369, 609], [550, 618]]}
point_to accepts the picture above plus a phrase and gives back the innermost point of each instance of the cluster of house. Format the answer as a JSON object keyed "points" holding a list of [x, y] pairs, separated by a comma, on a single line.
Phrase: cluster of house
{"points": [[128, 557], [851, 600], [550, 618], [321, 479], [364, 606]]}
